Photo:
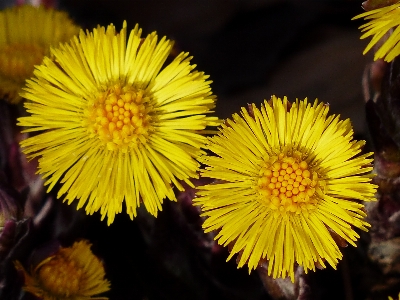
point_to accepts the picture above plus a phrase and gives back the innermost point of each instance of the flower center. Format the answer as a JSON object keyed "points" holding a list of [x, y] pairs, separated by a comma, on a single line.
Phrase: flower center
{"points": [[17, 61], [119, 117], [61, 276], [287, 184]]}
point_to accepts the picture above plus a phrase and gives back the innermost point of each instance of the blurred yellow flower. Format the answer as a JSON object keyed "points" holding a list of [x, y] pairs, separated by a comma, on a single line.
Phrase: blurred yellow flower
{"points": [[286, 177], [72, 273], [26, 34], [383, 21], [117, 123]]}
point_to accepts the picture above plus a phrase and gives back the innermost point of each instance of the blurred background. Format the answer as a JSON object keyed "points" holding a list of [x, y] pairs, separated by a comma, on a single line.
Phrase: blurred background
{"points": [[251, 49]]}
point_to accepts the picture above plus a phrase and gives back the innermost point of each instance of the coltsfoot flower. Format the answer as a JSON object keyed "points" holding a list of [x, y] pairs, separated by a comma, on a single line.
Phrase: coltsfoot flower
{"points": [[382, 21], [26, 34], [286, 178], [72, 273], [116, 123]]}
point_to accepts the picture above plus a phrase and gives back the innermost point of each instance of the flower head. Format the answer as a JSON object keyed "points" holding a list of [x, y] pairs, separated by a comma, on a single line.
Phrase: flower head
{"points": [[383, 20], [26, 34], [72, 273], [286, 177], [115, 125]]}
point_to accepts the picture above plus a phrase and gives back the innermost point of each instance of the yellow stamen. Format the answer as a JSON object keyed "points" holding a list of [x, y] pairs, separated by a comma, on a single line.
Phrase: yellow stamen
{"points": [[293, 193], [119, 116], [61, 276]]}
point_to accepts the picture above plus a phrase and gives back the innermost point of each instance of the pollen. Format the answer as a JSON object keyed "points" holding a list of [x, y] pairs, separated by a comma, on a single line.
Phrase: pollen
{"points": [[61, 276], [120, 117], [287, 184]]}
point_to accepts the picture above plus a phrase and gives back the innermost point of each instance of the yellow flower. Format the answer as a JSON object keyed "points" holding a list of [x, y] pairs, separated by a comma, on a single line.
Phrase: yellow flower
{"points": [[26, 34], [383, 20], [285, 179], [114, 127], [72, 273]]}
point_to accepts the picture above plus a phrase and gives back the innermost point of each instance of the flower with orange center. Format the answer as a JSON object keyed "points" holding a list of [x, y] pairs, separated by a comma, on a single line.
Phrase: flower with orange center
{"points": [[26, 34], [72, 273], [286, 180], [383, 26], [117, 123]]}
